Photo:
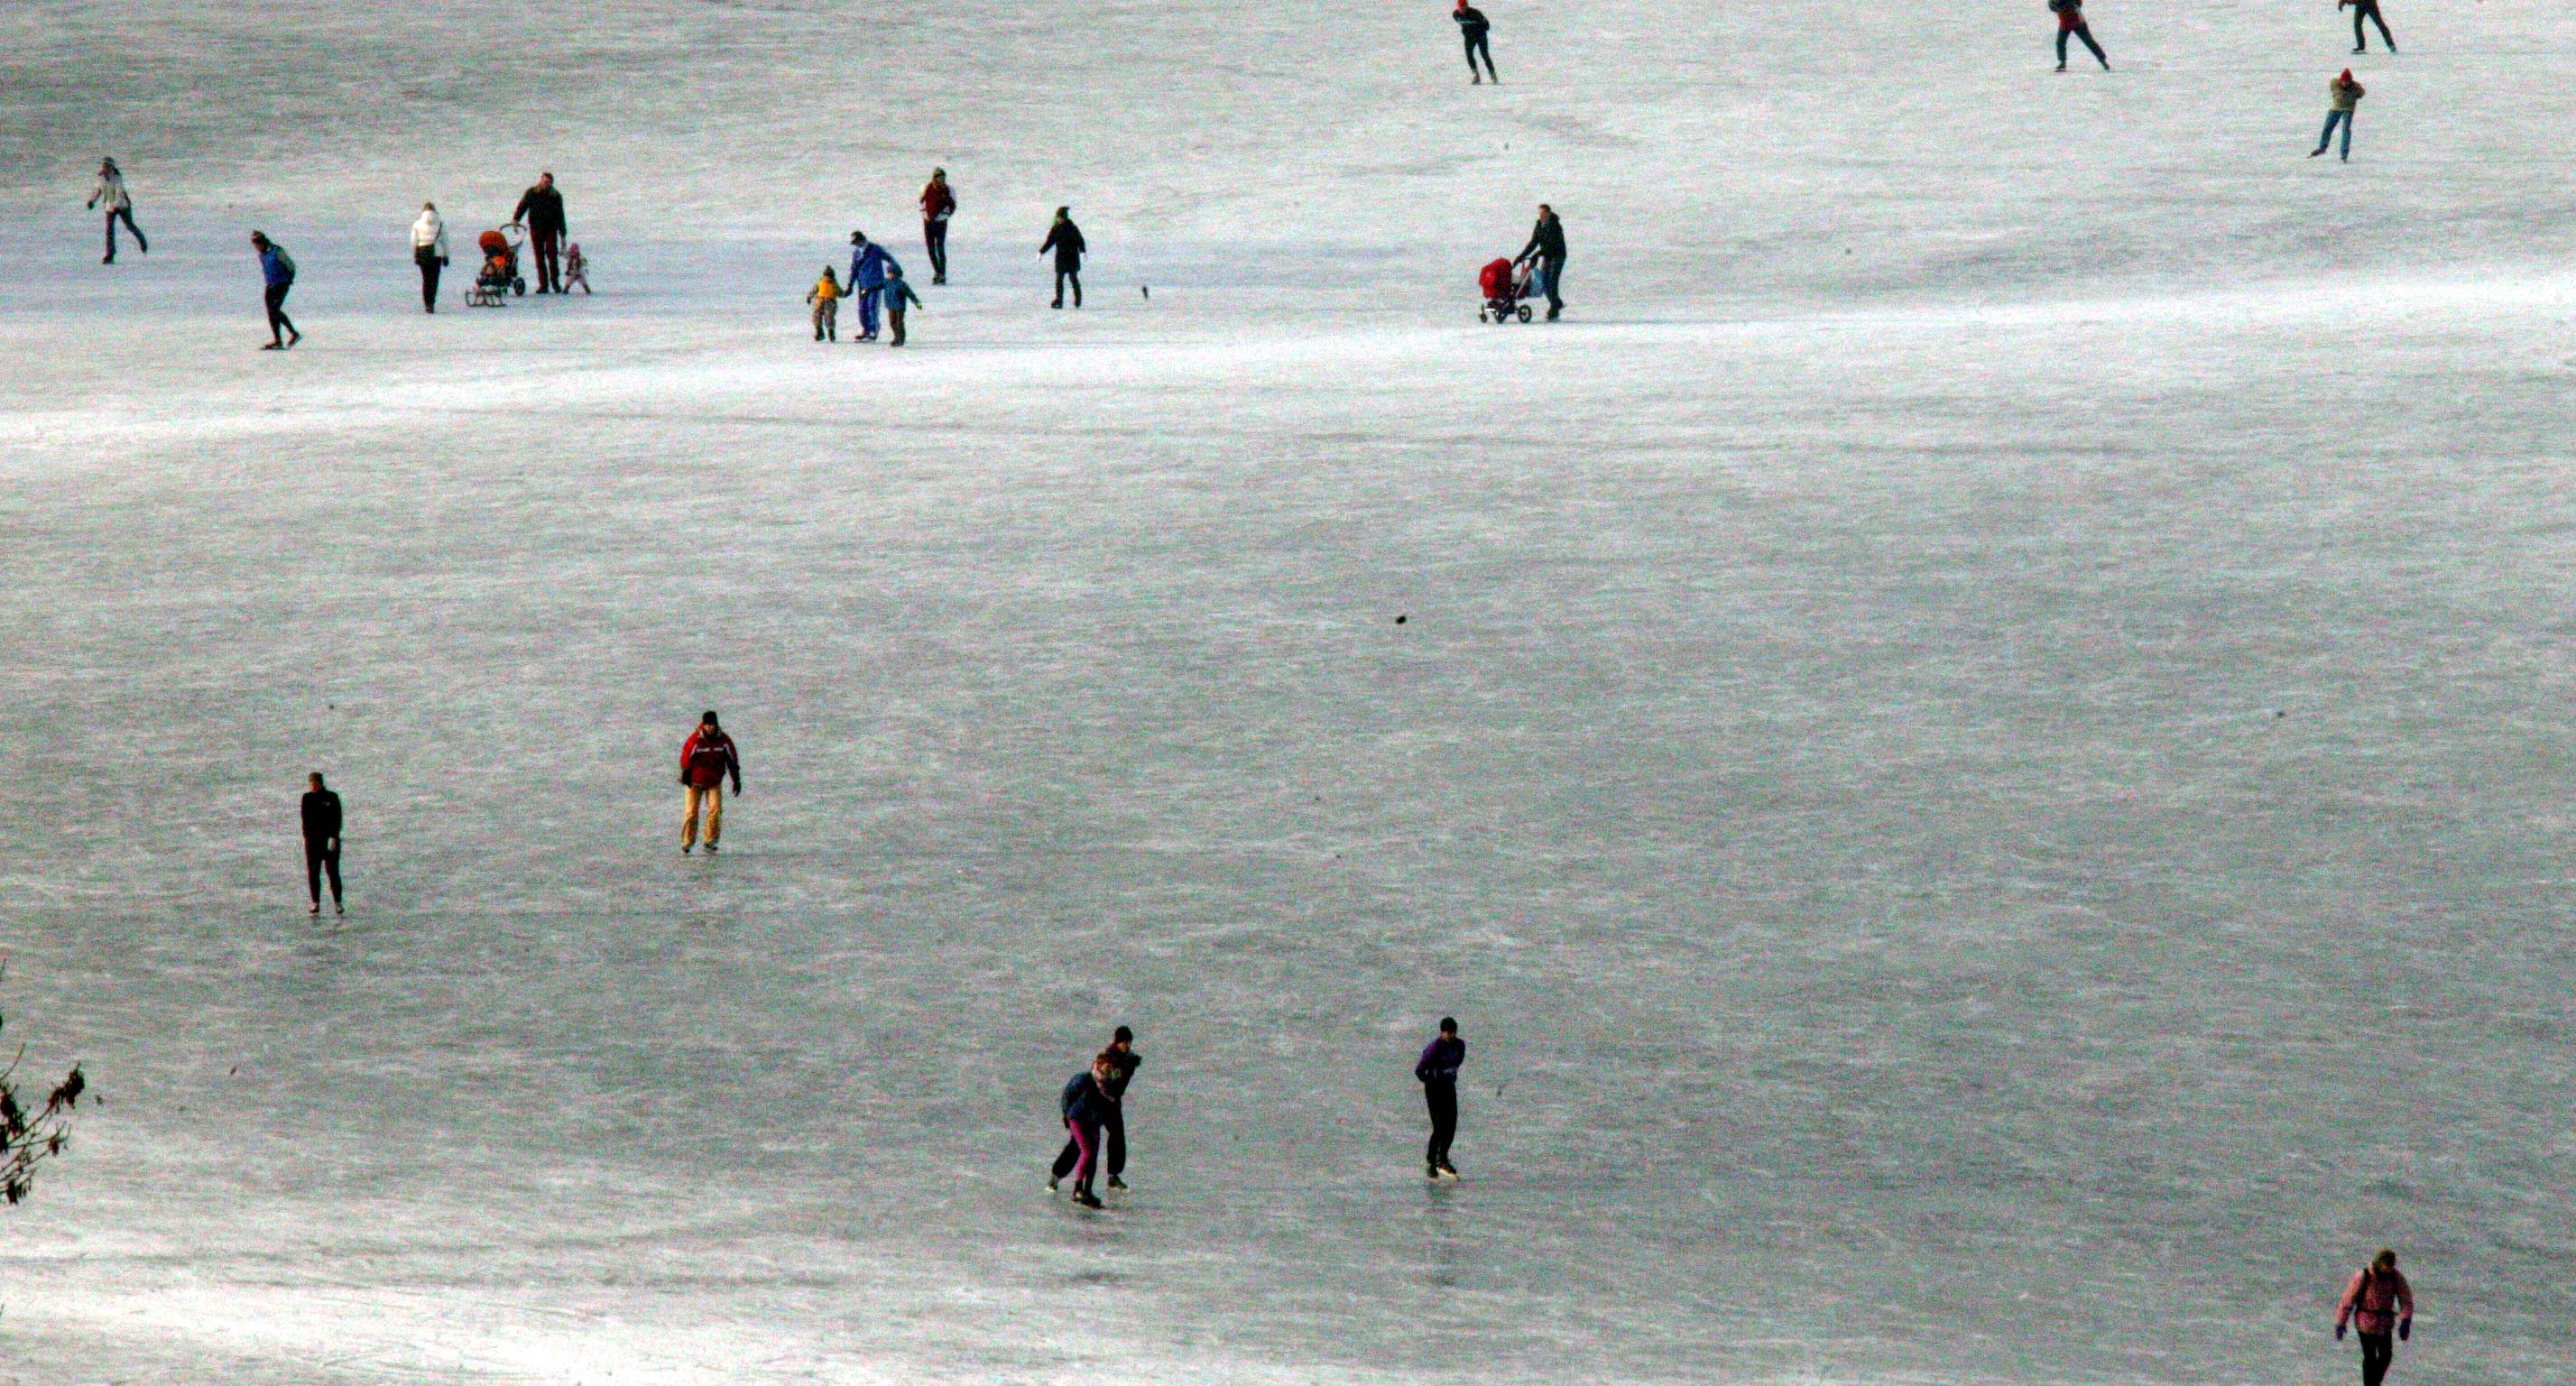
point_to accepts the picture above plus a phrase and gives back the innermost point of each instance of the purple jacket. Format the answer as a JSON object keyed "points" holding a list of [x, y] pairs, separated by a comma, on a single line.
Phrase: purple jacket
{"points": [[1440, 1060]]}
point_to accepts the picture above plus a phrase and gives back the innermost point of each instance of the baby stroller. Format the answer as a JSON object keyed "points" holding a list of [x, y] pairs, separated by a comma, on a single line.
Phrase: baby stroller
{"points": [[499, 277], [1505, 285]]}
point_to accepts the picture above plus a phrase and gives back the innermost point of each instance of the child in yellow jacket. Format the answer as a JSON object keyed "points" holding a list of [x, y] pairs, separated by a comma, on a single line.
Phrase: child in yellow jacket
{"points": [[826, 299]]}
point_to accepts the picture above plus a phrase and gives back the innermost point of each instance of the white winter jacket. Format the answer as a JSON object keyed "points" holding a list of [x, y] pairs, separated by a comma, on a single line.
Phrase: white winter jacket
{"points": [[111, 191], [429, 233]]}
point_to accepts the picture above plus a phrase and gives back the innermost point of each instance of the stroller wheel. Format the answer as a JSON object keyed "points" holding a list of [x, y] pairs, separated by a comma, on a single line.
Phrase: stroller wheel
{"points": [[520, 287], [1484, 316], [1525, 312]]}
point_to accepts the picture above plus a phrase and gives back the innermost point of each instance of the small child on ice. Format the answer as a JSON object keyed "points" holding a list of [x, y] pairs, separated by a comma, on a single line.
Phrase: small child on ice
{"points": [[826, 299], [897, 294]]}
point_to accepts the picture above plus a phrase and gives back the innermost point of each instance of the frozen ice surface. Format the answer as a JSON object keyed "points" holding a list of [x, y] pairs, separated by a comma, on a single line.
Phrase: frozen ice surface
{"points": [[1980, 743]]}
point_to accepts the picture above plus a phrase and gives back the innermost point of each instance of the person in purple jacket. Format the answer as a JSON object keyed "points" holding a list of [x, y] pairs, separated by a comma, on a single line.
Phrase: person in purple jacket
{"points": [[1437, 1071]]}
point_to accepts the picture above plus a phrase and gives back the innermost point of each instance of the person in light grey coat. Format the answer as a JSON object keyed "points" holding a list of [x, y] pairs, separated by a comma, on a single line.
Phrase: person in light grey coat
{"points": [[120, 206]]}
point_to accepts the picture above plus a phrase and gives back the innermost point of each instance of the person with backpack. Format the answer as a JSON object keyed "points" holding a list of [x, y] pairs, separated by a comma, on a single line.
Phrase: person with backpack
{"points": [[938, 204], [429, 253], [2070, 20], [1065, 239], [1473, 27], [705, 759], [1437, 1072], [1547, 247], [2377, 1300], [321, 812], [1085, 1105], [2345, 94], [2367, 9], [120, 207], [277, 273], [897, 294], [541, 210], [868, 263]]}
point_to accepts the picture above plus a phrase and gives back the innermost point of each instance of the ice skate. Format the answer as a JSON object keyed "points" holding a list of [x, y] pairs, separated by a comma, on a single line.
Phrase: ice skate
{"points": [[1117, 1183], [1087, 1198]]}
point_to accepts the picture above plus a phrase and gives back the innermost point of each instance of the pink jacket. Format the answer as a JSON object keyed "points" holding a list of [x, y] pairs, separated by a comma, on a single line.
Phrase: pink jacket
{"points": [[2368, 1300]]}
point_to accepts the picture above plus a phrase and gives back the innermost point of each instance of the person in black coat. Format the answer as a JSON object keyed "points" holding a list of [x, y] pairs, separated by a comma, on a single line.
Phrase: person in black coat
{"points": [[1547, 246], [541, 210], [1065, 239], [1473, 27], [1437, 1072], [321, 843]]}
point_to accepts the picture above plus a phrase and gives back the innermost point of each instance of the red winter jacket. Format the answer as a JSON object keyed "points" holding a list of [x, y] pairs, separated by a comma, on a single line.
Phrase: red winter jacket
{"points": [[2071, 18], [707, 757], [937, 202], [2375, 1303]]}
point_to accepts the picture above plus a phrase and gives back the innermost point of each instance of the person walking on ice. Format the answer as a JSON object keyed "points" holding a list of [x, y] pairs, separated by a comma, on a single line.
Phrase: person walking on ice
{"points": [[705, 759], [1123, 1059], [1065, 239], [826, 299], [1547, 246], [1473, 27], [541, 210], [321, 810], [868, 262], [2345, 94], [897, 294], [1437, 1071], [2070, 20], [120, 207], [938, 204], [2377, 1300], [277, 275], [1085, 1105], [2367, 9], [429, 253]]}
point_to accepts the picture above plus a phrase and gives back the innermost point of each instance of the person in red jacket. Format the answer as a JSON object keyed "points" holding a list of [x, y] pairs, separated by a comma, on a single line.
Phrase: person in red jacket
{"points": [[705, 759], [938, 204], [2377, 1300], [2070, 20]]}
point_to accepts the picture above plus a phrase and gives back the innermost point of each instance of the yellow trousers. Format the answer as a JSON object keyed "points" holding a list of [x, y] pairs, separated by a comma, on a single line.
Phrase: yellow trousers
{"points": [[713, 797]]}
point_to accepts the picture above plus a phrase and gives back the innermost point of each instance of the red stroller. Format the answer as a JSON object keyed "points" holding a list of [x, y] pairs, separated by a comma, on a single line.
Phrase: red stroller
{"points": [[1505, 285]]}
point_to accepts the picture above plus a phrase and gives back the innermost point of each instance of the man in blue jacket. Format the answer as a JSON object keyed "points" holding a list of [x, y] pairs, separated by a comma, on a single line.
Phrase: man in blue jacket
{"points": [[277, 271], [1437, 1071], [868, 262]]}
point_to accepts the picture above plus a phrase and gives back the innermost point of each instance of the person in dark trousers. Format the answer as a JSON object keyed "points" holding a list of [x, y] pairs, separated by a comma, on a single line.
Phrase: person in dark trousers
{"points": [[2377, 1300], [938, 204], [1085, 1105], [277, 272], [1065, 239], [1123, 1060], [1473, 26], [541, 210], [120, 207], [321, 843], [705, 759], [1437, 1071], [897, 295], [2367, 9], [2344, 94], [1547, 246], [2070, 20], [429, 253]]}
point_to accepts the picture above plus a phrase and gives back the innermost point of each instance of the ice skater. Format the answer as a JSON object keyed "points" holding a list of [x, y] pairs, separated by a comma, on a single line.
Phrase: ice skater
{"points": [[120, 207], [1473, 27], [1065, 239], [1437, 1071], [868, 262], [1085, 1105], [1547, 247], [897, 294], [705, 759], [2345, 94], [2367, 9], [2377, 1300], [938, 204], [429, 252], [277, 275], [1123, 1059], [321, 843], [826, 299], [2070, 20], [541, 210]]}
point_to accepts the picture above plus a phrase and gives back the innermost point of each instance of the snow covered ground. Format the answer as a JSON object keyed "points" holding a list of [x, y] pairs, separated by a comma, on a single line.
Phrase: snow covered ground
{"points": [[1979, 740]]}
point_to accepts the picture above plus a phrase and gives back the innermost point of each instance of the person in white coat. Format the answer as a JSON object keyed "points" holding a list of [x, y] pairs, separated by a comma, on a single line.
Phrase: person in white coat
{"points": [[429, 251], [111, 191]]}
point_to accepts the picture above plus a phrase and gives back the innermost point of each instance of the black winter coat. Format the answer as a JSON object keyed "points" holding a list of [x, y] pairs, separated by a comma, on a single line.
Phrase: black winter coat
{"points": [[1065, 239]]}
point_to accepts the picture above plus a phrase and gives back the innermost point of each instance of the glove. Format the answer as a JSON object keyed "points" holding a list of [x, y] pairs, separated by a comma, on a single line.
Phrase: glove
{"points": [[684, 777], [2338, 1333], [2405, 1327], [331, 846]]}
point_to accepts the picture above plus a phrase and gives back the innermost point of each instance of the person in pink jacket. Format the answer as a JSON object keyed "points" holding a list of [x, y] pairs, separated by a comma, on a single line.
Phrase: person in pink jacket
{"points": [[2377, 1300]]}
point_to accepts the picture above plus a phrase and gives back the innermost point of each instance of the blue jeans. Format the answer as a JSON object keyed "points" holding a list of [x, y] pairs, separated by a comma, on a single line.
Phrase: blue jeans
{"points": [[2333, 119]]}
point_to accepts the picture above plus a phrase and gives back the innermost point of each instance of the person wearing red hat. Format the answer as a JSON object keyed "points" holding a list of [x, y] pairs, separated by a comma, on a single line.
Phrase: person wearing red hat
{"points": [[2070, 20], [1473, 26], [2347, 94]]}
